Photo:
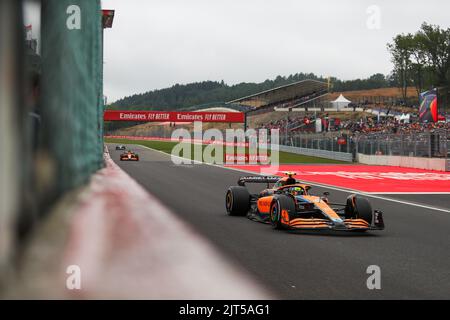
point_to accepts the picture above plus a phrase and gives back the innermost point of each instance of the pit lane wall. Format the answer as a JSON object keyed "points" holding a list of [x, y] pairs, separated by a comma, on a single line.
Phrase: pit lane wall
{"points": [[405, 162]]}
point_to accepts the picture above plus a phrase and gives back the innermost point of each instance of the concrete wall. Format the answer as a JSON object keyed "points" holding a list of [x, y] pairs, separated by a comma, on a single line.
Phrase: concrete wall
{"points": [[342, 156], [406, 162]]}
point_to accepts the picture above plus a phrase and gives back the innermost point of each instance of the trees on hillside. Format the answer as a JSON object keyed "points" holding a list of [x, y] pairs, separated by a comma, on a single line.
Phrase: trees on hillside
{"points": [[185, 96], [421, 59], [375, 81], [435, 45], [401, 51]]}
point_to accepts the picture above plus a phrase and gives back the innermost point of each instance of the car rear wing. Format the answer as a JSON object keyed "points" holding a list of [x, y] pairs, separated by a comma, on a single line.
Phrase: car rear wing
{"points": [[257, 179]]}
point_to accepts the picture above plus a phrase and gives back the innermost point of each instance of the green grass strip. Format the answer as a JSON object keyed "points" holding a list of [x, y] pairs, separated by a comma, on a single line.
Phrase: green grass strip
{"points": [[167, 146]]}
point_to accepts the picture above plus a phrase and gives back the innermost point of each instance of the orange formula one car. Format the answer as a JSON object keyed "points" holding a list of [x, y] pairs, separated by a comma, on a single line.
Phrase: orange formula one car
{"points": [[129, 156], [289, 205]]}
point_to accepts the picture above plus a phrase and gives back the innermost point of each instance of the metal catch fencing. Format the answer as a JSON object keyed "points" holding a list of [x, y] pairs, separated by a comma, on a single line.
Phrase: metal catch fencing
{"points": [[424, 144], [433, 144], [330, 142]]}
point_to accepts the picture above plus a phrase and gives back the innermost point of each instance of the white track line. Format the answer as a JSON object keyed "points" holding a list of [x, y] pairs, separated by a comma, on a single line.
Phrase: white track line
{"points": [[370, 195]]}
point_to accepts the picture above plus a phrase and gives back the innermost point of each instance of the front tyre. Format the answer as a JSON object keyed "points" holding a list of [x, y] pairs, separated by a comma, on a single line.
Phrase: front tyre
{"points": [[237, 201], [280, 211], [358, 208]]}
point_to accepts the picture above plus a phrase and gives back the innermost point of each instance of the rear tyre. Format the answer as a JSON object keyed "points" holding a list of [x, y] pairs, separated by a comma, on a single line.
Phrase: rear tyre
{"points": [[237, 201], [358, 208], [282, 203]]}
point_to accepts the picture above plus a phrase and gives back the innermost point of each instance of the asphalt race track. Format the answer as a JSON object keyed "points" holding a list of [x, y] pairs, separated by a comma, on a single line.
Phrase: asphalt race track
{"points": [[413, 252]]}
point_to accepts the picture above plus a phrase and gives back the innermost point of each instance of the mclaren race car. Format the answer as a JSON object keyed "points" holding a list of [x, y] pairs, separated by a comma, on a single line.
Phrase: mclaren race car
{"points": [[121, 147], [129, 156], [290, 205]]}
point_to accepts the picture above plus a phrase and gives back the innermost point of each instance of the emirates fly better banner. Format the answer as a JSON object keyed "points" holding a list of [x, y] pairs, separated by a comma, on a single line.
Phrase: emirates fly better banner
{"points": [[173, 116]]}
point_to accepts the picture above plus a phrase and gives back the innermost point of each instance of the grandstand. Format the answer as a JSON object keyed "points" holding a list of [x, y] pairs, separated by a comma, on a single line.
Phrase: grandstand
{"points": [[302, 93], [220, 107]]}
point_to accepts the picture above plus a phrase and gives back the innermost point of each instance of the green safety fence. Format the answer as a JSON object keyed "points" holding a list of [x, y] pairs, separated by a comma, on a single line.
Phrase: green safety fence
{"points": [[71, 105]]}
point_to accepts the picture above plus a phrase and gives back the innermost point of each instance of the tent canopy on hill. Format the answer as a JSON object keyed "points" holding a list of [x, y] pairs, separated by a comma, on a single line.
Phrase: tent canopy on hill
{"points": [[341, 102]]}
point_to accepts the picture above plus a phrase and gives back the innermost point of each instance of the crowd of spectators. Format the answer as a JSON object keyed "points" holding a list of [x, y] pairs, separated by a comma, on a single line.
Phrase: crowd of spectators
{"points": [[391, 125], [290, 124], [303, 124], [369, 125]]}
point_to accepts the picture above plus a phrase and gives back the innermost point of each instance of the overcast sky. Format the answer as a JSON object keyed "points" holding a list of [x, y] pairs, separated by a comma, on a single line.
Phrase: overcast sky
{"points": [[155, 44]]}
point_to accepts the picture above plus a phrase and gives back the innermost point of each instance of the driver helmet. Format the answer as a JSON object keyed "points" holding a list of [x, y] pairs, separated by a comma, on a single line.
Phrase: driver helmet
{"points": [[297, 191]]}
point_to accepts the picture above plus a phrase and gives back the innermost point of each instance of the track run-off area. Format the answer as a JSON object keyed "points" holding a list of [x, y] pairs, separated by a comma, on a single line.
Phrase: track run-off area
{"points": [[412, 253]]}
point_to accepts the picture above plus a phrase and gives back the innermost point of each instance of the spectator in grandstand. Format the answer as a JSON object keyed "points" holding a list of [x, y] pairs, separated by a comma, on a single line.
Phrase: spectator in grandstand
{"points": [[337, 124]]}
